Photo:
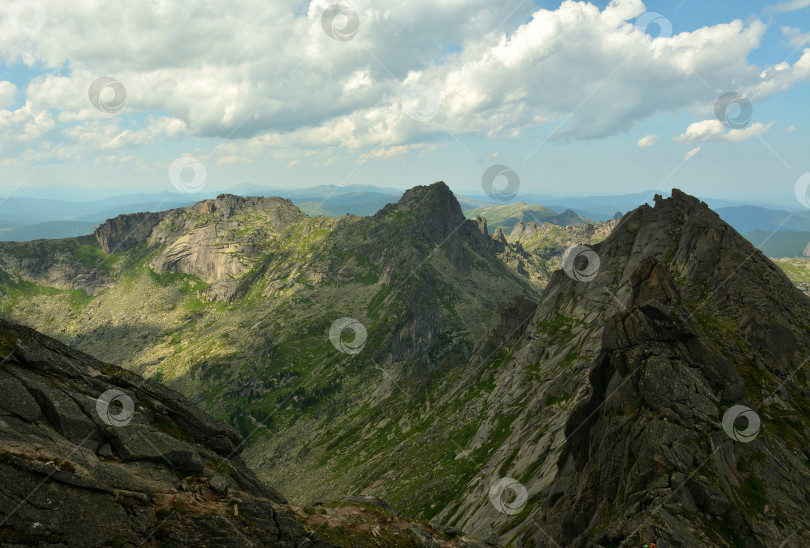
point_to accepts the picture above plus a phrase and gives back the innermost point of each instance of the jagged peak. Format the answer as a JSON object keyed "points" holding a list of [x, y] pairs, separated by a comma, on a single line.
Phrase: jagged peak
{"points": [[678, 198], [228, 204], [435, 205], [437, 194]]}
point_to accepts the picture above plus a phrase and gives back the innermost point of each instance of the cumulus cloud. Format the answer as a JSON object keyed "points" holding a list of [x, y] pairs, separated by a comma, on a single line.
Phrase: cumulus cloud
{"points": [[7, 93], [22, 127], [647, 141], [714, 130], [266, 73]]}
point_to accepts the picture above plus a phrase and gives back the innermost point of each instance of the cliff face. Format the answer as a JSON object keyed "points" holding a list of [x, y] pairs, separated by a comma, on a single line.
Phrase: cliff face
{"points": [[69, 264], [124, 231], [219, 240], [208, 240]]}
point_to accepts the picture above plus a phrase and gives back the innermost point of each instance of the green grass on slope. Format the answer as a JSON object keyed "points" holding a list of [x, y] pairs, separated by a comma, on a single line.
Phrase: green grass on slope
{"points": [[798, 270], [507, 215]]}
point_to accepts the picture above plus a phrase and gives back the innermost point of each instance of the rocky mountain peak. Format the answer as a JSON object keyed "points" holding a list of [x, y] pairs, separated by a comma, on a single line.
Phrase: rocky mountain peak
{"points": [[125, 231], [227, 205], [643, 358], [434, 207]]}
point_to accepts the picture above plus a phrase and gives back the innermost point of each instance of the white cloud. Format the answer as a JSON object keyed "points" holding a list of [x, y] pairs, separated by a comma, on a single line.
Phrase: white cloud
{"points": [[23, 127], [756, 129], [7, 93], [796, 37], [267, 75], [647, 141], [691, 154], [790, 129], [701, 131], [790, 5], [395, 152], [714, 130]]}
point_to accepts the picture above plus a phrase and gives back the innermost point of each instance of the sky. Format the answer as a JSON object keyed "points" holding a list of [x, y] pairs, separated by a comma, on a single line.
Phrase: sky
{"points": [[572, 98]]}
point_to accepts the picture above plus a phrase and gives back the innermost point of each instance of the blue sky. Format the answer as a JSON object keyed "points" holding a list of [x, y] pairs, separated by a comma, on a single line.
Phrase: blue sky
{"points": [[565, 94]]}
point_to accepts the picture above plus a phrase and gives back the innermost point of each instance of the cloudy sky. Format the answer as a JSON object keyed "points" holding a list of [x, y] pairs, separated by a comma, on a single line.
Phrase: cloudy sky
{"points": [[578, 98]]}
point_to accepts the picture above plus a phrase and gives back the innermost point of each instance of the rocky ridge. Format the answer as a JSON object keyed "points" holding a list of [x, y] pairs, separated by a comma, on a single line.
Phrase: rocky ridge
{"points": [[619, 439]]}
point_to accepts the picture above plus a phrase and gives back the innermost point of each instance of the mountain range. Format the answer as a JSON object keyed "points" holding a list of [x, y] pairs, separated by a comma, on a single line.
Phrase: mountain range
{"points": [[75, 211], [619, 383]]}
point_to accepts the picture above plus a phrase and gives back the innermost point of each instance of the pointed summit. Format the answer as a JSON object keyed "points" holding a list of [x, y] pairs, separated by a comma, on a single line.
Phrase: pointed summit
{"points": [[435, 209], [645, 358]]}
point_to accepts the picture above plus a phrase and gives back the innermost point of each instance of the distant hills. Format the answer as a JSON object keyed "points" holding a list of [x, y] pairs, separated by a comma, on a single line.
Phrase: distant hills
{"points": [[779, 244], [748, 218], [47, 231], [73, 211], [508, 215]]}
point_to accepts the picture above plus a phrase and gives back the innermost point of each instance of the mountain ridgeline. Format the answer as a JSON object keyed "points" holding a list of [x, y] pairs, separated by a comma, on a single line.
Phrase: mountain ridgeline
{"points": [[599, 395]]}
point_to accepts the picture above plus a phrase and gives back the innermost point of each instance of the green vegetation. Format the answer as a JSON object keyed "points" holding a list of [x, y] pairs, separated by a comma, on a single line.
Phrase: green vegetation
{"points": [[187, 284], [798, 270], [506, 216], [562, 398]]}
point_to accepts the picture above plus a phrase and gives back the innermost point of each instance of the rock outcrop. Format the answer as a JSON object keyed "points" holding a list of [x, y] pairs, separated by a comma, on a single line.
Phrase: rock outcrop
{"points": [[92, 455], [210, 239], [53, 263], [632, 432], [124, 231]]}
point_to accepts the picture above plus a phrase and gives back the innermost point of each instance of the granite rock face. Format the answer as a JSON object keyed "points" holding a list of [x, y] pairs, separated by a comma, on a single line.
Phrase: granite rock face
{"points": [[124, 231], [149, 465], [43, 263]]}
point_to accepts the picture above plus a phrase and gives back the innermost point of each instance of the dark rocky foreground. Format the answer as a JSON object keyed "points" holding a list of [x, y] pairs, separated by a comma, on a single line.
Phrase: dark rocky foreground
{"points": [[75, 474], [94, 455]]}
